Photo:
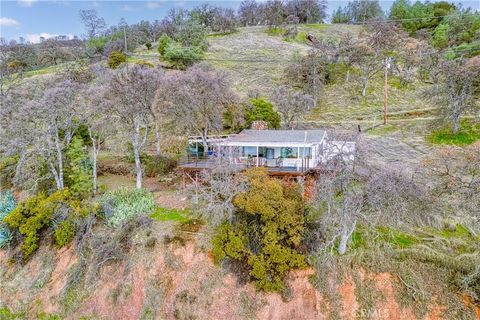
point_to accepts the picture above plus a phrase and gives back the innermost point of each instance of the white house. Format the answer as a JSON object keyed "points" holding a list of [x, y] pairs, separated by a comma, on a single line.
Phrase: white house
{"points": [[286, 151]]}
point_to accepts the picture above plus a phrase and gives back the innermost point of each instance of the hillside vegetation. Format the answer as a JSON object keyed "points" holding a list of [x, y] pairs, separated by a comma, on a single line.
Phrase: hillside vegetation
{"points": [[98, 219]]}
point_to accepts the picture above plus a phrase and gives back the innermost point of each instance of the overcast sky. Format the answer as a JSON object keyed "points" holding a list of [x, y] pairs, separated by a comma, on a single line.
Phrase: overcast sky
{"points": [[34, 18]]}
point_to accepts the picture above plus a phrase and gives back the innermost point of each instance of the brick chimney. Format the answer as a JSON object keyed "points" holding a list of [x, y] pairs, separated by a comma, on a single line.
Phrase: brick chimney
{"points": [[259, 125]]}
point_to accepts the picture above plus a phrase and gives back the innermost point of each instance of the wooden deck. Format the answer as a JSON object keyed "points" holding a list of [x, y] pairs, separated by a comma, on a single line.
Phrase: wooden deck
{"points": [[207, 164]]}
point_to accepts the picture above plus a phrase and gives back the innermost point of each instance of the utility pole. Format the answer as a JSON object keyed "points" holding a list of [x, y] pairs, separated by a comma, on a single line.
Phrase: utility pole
{"points": [[386, 64]]}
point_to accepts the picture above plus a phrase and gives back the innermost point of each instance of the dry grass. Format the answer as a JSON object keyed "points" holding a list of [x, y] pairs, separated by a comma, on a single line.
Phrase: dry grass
{"points": [[253, 44]]}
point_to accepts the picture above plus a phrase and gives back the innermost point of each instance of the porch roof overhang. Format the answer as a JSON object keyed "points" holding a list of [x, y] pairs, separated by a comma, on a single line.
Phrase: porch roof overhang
{"points": [[266, 144], [275, 138]]}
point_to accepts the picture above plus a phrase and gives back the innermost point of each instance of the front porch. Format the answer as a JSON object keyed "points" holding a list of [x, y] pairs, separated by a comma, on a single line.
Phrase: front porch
{"points": [[293, 164]]}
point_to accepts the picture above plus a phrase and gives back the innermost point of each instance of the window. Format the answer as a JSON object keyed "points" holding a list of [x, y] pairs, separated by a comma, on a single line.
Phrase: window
{"points": [[292, 152], [249, 152], [287, 152]]}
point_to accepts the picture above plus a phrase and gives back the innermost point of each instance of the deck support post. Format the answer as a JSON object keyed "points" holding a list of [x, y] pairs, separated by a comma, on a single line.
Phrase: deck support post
{"points": [[298, 158]]}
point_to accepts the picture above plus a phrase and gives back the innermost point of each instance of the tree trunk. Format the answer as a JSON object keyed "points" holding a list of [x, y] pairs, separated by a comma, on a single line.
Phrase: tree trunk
{"points": [[136, 153], [59, 159], [455, 114], [138, 167], [344, 237], [364, 89], [348, 74], [157, 140], [94, 170], [54, 173], [94, 158], [455, 123], [205, 141]]}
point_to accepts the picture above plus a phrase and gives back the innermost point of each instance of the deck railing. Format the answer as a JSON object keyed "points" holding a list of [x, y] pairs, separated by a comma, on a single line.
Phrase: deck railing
{"points": [[207, 160]]}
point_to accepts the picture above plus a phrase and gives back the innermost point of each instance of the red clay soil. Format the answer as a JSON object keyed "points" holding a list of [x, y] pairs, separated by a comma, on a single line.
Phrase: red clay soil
{"points": [[193, 286]]}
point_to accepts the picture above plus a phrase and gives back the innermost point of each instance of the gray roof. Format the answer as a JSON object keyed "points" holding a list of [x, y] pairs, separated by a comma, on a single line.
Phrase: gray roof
{"points": [[279, 136]]}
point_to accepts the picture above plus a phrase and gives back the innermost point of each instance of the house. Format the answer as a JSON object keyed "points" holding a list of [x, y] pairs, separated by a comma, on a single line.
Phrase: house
{"points": [[296, 150], [282, 152]]}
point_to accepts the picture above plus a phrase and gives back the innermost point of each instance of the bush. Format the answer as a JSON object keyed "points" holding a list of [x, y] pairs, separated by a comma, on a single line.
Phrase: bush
{"points": [[267, 231], [148, 45], [262, 110], [31, 217], [64, 233], [79, 170], [6, 314], [116, 58], [7, 171], [163, 43], [96, 45], [122, 204], [145, 64], [182, 57]]}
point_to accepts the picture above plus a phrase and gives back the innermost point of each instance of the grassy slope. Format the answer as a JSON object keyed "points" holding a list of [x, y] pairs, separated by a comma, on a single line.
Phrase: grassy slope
{"points": [[342, 105]]}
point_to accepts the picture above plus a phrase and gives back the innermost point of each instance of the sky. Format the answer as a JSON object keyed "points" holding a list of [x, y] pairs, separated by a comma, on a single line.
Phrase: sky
{"points": [[34, 18]]}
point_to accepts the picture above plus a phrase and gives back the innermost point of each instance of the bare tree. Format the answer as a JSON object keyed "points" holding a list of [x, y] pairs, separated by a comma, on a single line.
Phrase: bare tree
{"points": [[341, 202], [274, 12], [194, 102], [131, 93], [368, 63], [307, 11], [43, 125], [57, 107], [455, 90], [52, 53], [456, 173], [11, 71], [347, 52], [248, 13], [292, 105], [352, 191], [407, 61], [94, 25], [96, 117], [222, 183]]}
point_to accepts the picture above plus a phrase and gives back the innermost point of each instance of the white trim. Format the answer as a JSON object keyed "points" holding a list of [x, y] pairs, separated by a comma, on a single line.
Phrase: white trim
{"points": [[268, 144]]}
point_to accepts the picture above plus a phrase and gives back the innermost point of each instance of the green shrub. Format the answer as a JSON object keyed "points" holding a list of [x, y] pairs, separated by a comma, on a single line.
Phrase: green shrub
{"points": [[6, 314], [64, 233], [7, 171], [122, 204], [267, 231], [163, 43], [182, 57], [79, 170], [148, 45], [440, 36], [261, 109], [115, 59], [96, 45], [144, 63], [36, 214]]}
